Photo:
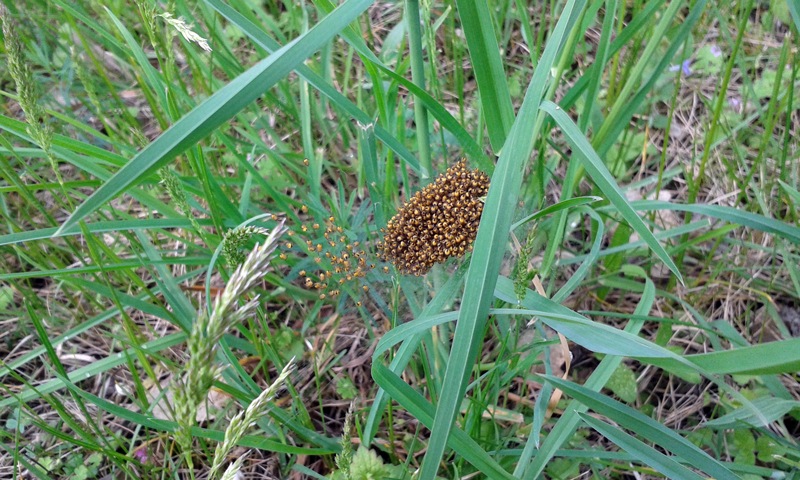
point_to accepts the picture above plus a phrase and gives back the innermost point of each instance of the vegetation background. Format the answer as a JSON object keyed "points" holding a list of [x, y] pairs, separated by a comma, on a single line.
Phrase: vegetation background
{"points": [[631, 308]]}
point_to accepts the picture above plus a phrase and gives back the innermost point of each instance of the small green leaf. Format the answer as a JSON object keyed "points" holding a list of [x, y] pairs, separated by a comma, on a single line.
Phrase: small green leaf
{"points": [[623, 383], [366, 465], [768, 449], [745, 446], [95, 459], [80, 473], [345, 388], [780, 8]]}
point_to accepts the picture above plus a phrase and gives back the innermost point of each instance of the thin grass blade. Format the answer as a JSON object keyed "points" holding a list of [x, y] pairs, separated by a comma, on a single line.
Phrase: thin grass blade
{"points": [[605, 181], [644, 426]]}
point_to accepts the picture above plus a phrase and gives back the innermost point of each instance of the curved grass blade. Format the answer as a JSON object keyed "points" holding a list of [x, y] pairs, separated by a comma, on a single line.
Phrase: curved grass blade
{"points": [[471, 148], [770, 407], [565, 426], [671, 233], [217, 109], [490, 245], [644, 426], [650, 456], [632, 105], [93, 369], [99, 227], [576, 278], [605, 181], [771, 358], [252, 441], [565, 205], [67, 149], [730, 214], [406, 350]]}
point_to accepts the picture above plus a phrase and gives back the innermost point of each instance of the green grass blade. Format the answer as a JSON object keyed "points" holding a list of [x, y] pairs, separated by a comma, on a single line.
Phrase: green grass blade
{"points": [[650, 456], [423, 411], [605, 181], [671, 233], [490, 245], [566, 424], [181, 305], [412, 21], [730, 214], [473, 149], [644, 426], [99, 227], [93, 369], [631, 105], [66, 149], [369, 155], [251, 441], [595, 336], [154, 78], [771, 358], [257, 35], [407, 349], [565, 205], [476, 22], [576, 278], [653, 43], [771, 408], [794, 11], [220, 107]]}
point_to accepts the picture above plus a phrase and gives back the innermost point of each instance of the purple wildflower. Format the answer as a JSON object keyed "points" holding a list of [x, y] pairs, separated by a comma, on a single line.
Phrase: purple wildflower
{"points": [[716, 51], [735, 104], [140, 454], [685, 66]]}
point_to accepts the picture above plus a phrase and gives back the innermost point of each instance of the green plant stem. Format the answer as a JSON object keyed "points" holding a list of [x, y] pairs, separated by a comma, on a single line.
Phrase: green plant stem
{"points": [[418, 77]]}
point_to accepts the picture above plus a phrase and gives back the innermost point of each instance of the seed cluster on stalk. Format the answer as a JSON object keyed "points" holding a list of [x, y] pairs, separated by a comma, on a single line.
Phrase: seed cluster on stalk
{"points": [[439, 222]]}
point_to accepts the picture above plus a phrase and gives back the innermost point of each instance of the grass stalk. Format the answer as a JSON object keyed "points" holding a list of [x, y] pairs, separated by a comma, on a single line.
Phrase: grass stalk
{"points": [[413, 24]]}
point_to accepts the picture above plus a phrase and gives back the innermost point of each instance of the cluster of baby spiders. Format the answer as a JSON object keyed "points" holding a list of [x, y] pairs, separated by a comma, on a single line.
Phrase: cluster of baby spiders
{"points": [[338, 260], [439, 222]]}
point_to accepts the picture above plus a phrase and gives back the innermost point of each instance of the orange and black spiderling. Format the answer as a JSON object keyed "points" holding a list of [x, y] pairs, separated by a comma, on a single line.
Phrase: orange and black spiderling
{"points": [[439, 222], [338, 259]]}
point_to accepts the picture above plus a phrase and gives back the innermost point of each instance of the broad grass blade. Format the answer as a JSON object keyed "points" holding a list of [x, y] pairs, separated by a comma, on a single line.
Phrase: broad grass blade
{"points": [[770, 407], [484, 54], [490, 245], [566, 424], [258, 36], [217, 109], [423, 411], [650, 456]]}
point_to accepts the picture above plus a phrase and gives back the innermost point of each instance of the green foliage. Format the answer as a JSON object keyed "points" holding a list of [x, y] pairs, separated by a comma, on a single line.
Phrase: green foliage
{"points": [[623, 383], [366, 465], [346, 388], [142, 142]]}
